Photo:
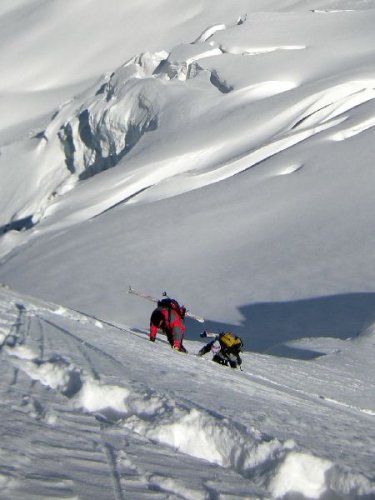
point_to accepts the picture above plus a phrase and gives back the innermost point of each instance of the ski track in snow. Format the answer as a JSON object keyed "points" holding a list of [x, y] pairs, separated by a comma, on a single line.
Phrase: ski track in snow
{"points": [[42, 354], [61, 375], [308, 395]]}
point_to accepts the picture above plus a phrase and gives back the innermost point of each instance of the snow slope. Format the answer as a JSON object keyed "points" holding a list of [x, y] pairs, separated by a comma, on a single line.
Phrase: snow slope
{"points": [[81, 420], [223, 152]]}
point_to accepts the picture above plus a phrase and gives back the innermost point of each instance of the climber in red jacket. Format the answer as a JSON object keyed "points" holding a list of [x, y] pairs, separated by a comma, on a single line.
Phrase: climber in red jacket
{"points": [[169, 317]]}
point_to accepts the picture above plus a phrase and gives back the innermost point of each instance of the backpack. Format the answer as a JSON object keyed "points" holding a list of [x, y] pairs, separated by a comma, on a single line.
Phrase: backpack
{"points": [[172, 305], [231, 342]]}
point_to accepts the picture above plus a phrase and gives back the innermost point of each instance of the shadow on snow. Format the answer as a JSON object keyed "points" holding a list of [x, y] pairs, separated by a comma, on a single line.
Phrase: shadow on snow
{"points": [[267, 327]]}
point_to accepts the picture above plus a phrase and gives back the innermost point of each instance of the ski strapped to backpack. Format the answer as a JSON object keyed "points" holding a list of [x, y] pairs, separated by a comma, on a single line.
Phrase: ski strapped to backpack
{"points": [[165, 298], [171, 305]]}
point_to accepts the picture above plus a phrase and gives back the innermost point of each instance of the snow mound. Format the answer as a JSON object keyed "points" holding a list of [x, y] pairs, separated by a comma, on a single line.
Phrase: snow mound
{"points": [[313, 477]]}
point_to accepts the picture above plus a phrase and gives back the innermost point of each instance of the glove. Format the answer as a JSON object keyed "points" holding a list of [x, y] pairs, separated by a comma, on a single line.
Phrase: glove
{"points": [[203, 334]]}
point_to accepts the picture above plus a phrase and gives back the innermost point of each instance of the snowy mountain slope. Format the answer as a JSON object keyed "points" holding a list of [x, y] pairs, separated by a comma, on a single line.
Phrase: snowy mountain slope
{"points": [[68, 377], [223, 152], [155, 91], [293, 113]]}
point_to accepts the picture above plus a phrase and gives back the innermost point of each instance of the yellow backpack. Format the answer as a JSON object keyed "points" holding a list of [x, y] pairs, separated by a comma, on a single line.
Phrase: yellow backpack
{"points": [[232, 342]]}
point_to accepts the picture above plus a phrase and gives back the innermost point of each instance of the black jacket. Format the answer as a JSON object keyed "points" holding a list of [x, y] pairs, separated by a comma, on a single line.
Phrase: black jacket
{"points": [[226, 356]]}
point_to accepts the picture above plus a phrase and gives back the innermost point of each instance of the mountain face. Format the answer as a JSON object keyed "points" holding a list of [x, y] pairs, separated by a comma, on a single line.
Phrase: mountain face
{"points": [[223, 153]]}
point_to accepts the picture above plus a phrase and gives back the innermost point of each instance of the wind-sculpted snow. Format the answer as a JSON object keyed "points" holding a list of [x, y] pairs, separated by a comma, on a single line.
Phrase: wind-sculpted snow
{"points": [[128, 105], [274, 467], [193, 114]]}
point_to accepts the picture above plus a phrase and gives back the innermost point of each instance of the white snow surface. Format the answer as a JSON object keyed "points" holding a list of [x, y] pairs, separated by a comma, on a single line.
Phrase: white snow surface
{"points": [[224, 152]]}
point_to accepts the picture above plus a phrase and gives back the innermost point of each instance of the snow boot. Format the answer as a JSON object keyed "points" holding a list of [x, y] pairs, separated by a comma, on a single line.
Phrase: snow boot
{"points": [[177, 346]]}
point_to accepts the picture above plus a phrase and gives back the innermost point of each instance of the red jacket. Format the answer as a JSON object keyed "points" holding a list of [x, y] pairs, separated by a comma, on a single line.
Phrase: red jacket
{"points": [[169, 321]]}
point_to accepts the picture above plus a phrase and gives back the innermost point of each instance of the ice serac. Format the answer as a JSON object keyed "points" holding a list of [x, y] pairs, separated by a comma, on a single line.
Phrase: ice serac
{"points": [[125, 106], [108, 125]]}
